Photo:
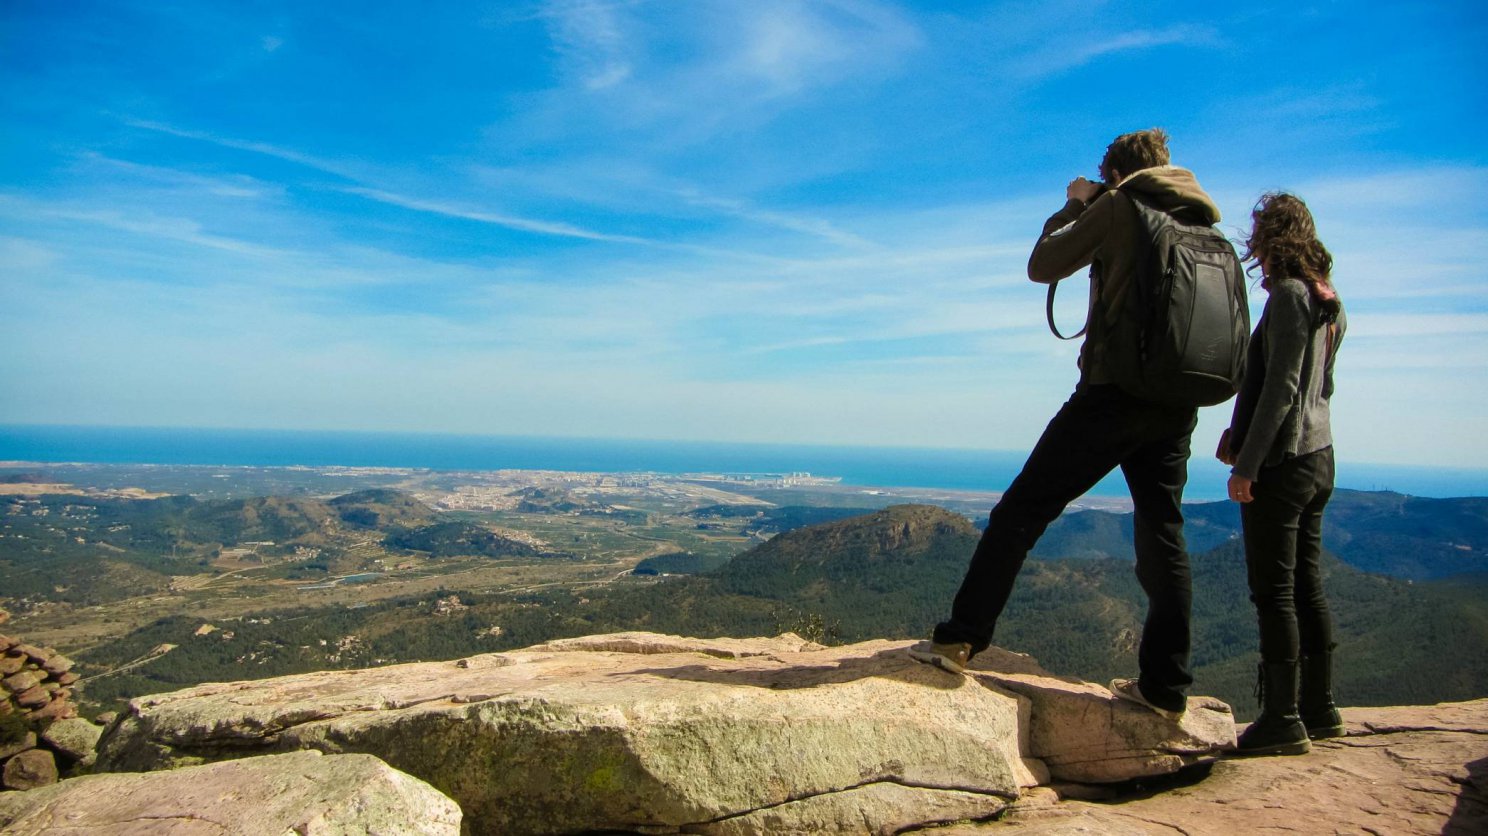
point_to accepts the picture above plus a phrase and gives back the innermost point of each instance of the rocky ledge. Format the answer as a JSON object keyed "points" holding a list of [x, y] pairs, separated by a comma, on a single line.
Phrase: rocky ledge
{"points": [[645, 733], [666, 734]]}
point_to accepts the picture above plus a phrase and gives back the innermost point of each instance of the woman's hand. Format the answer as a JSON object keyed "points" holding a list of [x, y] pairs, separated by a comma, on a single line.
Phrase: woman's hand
{"points": [[1223, 452], [1240, 488]]}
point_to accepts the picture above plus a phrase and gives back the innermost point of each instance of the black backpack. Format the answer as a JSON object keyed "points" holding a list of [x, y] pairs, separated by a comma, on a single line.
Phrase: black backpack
{"points": [[1180, 332]]}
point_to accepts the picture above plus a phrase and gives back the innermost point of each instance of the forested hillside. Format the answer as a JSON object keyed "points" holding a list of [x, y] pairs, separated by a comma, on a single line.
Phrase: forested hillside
{"points": [[89, 550], [457, 539]]}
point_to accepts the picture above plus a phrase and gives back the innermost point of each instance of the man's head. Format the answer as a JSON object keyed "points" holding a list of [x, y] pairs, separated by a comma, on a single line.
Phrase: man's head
{"points": [[1130, 153]]}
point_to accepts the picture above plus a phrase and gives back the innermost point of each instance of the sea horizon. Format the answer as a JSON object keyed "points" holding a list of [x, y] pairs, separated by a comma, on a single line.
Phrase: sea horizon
{"points": [[876, 467]]}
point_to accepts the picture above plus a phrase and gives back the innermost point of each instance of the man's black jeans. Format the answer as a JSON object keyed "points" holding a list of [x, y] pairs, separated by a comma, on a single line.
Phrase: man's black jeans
{"points": [[1097, 430], [1283, 528]]}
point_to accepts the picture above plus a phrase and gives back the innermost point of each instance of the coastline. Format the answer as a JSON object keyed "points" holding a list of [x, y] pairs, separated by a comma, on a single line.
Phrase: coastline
{"points": [[902, 469]]}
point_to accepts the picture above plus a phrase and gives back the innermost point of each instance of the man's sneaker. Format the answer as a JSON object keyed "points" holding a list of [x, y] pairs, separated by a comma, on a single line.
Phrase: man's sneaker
{"points": [[1128, 690], [952, 657]]}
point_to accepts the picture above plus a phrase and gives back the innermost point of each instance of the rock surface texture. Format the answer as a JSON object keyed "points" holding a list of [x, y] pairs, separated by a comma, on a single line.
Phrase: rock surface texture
{"points": [[30, 769], [1406, 770], [302, 793], [1082, 734], [637, 731]]}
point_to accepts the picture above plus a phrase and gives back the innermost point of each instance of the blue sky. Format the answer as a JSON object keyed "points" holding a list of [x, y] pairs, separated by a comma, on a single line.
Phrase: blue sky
{"points": [[740, 221]]}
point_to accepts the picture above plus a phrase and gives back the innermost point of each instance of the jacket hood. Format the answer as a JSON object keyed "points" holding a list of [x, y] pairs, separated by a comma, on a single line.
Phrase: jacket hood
{"points": [[1173, 190]]}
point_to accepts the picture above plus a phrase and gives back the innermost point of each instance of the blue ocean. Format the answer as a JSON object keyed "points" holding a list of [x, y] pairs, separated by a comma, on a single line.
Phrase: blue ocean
{"points": [[977, 470]]}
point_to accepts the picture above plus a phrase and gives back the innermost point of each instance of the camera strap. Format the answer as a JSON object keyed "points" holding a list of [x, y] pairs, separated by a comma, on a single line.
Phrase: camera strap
{"points": [[1049, 312]]}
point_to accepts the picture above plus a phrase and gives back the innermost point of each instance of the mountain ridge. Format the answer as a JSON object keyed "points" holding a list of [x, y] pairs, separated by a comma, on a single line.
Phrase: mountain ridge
{"points": [[1413, 538]]}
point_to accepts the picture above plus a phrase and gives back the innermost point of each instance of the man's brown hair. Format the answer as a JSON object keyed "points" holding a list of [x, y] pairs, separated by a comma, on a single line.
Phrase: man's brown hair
{"points": [[1130, 153]]}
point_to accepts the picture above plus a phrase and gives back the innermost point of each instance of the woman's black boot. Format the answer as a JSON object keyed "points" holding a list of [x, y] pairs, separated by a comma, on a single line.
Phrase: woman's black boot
{"points": [[1278, 731], [1315, 702]]}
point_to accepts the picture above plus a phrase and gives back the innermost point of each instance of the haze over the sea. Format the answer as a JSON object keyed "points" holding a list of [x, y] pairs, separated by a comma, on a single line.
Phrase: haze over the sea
{"points": [[870, 467]]}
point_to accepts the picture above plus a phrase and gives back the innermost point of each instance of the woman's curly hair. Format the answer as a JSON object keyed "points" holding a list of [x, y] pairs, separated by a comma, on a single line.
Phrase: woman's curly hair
{"points": [[1283, 242]]}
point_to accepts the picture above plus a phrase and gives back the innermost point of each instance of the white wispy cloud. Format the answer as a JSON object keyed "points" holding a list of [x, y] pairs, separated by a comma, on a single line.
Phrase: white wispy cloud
{"points": [[200, 352], [23, 255], [438, 207], [785, 47], [181, 230], [1372, 193], [1066, 51], [633, 188], [592, 40], [498, 219], [817, 227], [1333, 102], [1014, 46], [289, 155], [690, 71], [234, 186], [1381, 325], [1393, 237]]}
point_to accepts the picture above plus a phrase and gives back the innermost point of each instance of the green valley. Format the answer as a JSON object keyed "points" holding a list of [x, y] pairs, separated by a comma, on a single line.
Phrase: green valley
{"points": [[153, 592]]}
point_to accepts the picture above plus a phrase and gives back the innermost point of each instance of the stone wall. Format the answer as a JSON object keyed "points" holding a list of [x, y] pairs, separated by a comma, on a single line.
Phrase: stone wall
{"points": [[40, 733]]}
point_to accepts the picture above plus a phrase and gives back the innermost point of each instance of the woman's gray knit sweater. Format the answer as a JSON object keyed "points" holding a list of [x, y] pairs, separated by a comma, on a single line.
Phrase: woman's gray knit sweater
{"points": [[1282, 408]]}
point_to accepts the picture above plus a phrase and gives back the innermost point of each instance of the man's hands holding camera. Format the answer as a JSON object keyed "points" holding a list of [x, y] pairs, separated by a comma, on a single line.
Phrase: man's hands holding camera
{"points": [[1083, 190]]}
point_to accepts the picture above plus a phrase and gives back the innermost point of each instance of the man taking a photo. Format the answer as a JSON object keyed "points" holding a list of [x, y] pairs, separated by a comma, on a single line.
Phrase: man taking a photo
{"points": [[1101, 427]]}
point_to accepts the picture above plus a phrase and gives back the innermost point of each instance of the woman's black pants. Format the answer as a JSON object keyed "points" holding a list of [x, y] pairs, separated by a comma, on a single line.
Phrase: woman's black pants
{"points": [[1283, 527]]}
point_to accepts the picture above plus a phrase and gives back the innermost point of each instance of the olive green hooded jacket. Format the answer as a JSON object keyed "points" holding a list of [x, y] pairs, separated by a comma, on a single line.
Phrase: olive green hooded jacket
{"points": [[1107, 235]]}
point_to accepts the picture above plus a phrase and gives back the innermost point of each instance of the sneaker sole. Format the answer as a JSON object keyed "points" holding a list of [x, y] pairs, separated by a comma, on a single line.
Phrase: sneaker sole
{"points": [[1175, 716], [1326, 733], [936, 660]]}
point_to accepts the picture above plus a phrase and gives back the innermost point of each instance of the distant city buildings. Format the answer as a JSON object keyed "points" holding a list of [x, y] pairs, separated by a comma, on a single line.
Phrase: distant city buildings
{"points": [[784, 480], [499, 490]]}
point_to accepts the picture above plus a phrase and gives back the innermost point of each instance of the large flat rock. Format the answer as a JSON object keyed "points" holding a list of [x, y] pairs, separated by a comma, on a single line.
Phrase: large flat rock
{"points": [[634, 732], [302, 792]]}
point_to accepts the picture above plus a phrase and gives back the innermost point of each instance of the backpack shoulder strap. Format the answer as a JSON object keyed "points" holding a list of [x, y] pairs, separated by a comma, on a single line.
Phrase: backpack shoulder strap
{"points": [[1150, 221]]}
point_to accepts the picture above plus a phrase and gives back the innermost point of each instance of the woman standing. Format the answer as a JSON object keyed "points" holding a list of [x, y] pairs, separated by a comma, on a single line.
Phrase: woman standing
{"points": [[1280, 447]]}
